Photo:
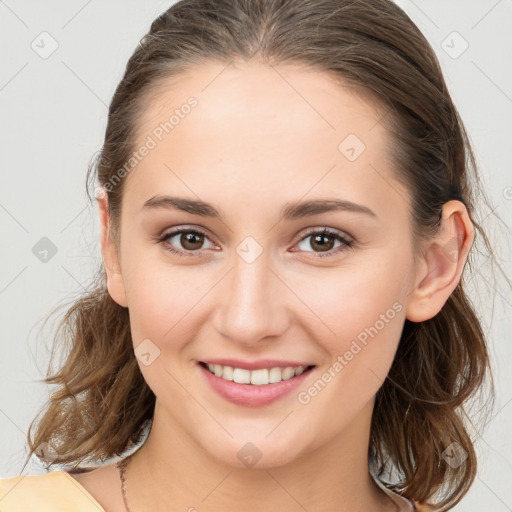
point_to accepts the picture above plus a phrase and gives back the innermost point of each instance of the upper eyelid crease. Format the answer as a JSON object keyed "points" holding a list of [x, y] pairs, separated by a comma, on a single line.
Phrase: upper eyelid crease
{"points": [[309, 232], [346, 239], [291, 211]]}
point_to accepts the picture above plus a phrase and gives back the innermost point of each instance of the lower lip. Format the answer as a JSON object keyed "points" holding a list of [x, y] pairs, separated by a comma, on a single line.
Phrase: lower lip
{"points": [[251, 395]]}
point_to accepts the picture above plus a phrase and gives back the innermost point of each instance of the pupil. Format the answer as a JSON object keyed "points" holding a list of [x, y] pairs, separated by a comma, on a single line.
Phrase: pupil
{"points": [[188, 238], [323, 246]]}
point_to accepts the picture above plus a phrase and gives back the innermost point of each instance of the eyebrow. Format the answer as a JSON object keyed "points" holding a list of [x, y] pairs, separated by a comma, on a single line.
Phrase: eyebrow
{"points": [[290, 211]]}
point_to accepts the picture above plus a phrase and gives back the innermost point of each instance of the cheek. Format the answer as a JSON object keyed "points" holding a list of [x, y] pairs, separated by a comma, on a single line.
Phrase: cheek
{"points": [[364, 307], [367, 333], [357, 302], [160, 298], [166, 301]]}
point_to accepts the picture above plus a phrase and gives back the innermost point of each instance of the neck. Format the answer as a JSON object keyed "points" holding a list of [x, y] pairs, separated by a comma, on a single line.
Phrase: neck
{"points": [[172, 472]]}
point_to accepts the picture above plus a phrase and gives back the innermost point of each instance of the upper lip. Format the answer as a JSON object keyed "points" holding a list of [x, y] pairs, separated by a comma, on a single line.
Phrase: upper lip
{"points": [[255, 365]]}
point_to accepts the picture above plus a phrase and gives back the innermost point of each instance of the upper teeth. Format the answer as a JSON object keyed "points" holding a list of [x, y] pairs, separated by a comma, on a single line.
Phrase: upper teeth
{"points": [[256, 377]]}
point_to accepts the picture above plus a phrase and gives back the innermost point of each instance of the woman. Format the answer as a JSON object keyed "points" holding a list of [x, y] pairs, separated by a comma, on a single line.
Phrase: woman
{"points": [[286, 214]]}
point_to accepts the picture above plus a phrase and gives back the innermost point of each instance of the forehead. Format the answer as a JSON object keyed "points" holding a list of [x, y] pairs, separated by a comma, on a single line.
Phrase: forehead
{"points": [[261, 130], [238, 92]]}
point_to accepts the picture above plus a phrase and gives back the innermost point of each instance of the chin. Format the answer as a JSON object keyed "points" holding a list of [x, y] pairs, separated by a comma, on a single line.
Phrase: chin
{"points": [[260, 453]]}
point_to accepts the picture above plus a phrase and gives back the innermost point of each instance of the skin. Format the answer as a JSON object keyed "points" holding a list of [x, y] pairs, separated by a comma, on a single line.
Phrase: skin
{"points": [[251, 145]]}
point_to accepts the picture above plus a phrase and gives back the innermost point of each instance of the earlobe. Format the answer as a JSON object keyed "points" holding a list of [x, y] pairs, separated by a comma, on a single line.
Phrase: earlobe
{"points": [[109, 250], [442, 263]]}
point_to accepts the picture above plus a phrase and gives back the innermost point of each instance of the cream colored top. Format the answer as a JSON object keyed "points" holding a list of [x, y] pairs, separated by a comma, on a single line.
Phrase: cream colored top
{"points": [[52, 492], [59, 492]]}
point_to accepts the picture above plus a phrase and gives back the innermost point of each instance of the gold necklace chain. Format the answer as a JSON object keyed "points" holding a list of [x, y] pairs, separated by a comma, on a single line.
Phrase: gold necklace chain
{"points": [[122, 465]]}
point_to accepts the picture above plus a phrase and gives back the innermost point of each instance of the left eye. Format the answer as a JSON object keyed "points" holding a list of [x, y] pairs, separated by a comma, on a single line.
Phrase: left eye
{"points": [[191, 241], [318, 239]]}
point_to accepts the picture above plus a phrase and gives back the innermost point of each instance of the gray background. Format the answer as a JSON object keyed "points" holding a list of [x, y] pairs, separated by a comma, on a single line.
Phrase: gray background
{"points": [[54, 112]]}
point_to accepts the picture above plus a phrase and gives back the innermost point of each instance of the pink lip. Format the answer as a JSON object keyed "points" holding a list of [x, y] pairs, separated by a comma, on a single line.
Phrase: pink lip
{"points": [[256, 365], [250, 395]]}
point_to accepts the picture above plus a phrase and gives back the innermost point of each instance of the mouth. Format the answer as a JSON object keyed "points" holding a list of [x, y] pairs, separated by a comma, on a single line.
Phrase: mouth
{"points": [[258, 384], [256, 377]]}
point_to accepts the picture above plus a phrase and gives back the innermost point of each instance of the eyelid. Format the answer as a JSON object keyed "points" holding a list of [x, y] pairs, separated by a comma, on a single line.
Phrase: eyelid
{"points": [[323, 229], [166, 235], [346, 240], [178, 229]]}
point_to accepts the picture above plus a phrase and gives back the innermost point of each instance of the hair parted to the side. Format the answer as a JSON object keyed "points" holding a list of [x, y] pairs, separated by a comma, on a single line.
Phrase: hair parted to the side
{"points": [[103, 403]]}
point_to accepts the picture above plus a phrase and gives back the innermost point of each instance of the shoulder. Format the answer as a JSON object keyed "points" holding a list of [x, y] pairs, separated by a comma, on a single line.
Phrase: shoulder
{"points": [[51, 492]]}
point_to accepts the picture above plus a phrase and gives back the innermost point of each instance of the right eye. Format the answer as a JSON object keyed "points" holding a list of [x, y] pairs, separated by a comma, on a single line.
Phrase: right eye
{"points": [[190, 240]]}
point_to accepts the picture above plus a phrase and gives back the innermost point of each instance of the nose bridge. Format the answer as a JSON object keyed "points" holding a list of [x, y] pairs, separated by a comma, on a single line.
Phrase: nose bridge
{"points": [[254, 307]]}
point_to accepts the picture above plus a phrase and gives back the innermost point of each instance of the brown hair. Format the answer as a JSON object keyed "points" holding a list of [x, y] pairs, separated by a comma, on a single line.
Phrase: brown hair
{"points": [[103, 404]]}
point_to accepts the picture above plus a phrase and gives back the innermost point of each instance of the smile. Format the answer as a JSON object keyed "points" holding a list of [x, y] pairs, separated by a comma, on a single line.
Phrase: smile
{"points": [[258, 377], [254, 383]]}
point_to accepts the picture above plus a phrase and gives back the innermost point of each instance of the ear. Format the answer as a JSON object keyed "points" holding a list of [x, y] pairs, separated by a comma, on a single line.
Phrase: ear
{"points": [[441, 264], [109, 250]]}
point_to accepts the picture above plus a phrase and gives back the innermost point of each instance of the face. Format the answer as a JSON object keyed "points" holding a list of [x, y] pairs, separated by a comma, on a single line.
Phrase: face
{"points": [[251, 285]]}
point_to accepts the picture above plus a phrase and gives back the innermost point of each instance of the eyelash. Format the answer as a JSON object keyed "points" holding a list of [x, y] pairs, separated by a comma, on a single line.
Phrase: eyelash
{"points": [[347, 244]]}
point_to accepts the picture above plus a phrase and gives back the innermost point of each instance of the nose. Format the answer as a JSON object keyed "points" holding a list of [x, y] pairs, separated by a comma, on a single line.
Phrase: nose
{"points": [[253, 303]]}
